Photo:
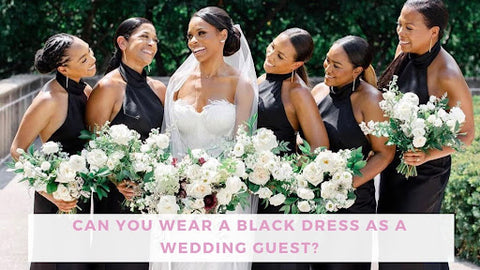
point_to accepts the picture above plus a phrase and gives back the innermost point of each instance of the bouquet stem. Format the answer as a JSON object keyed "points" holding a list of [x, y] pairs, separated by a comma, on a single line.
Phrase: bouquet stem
{"points": [[407, 170]]}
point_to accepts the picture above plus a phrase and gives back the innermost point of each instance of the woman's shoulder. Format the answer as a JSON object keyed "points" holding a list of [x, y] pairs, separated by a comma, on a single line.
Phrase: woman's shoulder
{"points": [[110, 82], [445, 66], [368, 95], [51, 95], [320, 91]]}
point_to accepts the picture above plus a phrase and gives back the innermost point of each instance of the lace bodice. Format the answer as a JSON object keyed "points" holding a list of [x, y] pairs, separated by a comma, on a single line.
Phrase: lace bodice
{"points": [[207, 129]]}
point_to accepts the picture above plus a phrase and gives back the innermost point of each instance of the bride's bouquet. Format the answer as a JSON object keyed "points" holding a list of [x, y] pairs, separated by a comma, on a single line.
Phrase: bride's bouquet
{"points": [[414, 127], [323, 180], [210, 185], [55, 172]]}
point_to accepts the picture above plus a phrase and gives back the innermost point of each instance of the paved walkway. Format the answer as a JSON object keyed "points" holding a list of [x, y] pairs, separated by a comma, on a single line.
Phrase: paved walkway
{"points": [[16, 202]]}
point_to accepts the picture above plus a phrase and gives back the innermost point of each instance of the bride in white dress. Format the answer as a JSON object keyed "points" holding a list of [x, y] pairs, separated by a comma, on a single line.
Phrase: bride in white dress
{"points": [[209, 96]]}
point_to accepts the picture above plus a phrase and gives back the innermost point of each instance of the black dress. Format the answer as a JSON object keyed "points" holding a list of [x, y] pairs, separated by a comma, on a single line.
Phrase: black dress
{"points": [[272, 115], [423, 193], [67, 135], [142, 111], [345, 133]]}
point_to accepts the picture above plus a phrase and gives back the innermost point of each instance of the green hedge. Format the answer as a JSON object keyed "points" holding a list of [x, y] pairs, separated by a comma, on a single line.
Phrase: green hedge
{"points": [[462, 196]]}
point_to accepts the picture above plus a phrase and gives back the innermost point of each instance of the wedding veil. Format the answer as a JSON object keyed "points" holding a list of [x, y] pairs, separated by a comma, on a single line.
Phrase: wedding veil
{"points": [[240, 60]]}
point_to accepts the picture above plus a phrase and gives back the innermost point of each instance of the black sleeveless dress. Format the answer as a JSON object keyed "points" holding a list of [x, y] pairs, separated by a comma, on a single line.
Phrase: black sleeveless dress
{"points": [[67, 135], [142, 111], [272, 115], [423, 193], [345, 133]]}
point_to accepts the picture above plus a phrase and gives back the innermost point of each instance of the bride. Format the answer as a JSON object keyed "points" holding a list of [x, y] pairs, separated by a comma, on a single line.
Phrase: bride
{"points": [[209, 96]]}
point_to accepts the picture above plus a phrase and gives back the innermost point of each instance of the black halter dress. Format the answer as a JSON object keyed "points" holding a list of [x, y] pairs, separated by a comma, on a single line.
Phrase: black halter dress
{"points": [[423, 193], [272, 115], [345, 133], [67, 134]]}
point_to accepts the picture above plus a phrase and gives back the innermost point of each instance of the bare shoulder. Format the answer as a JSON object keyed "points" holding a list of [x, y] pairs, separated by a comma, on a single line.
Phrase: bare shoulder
{"points": [[158, 87], [48, 98], [446, 67], [109, 84], [261, 78], [300, 93], [320, 91], [369, 94]]}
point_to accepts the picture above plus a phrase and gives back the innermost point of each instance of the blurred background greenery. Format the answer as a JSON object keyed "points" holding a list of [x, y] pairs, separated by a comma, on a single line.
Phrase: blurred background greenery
{"points": [[26, 24]]}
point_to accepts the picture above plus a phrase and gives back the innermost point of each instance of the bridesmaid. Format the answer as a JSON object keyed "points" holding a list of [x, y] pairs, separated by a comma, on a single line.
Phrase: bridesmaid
{"points": [[349, 96], [127, 96], [424, 68], [57, 114], [286, 105]]}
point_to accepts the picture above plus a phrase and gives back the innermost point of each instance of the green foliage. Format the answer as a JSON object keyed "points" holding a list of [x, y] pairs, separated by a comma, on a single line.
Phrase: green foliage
{"points": [[95, 21], [462, 196]]}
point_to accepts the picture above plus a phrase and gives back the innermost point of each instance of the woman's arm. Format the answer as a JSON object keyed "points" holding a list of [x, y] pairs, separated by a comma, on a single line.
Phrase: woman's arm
{"points": [[382, 154], [309, 118], [36, 118]]}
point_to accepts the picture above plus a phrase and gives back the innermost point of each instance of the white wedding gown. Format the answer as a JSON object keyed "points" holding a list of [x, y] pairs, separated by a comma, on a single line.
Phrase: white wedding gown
{"points": [[208, 130]]}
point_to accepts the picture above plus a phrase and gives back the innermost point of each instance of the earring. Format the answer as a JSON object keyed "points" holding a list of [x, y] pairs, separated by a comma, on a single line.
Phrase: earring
{"points": [[66, 82], [148, 68], [430, 49], [353, 87], [293, 75]]}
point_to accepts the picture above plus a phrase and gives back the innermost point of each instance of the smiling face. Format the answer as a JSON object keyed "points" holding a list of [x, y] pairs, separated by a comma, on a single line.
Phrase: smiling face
{"points": [[141, 45], [81, 61], [413, 34], [339, 71], [280, 56], [204, 40]]}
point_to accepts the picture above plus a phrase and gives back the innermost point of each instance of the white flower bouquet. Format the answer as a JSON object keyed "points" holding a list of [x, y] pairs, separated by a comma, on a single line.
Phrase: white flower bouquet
{"points": [[210, 185], [259, 164], [323, 180], [416, 127], [52, 171]]}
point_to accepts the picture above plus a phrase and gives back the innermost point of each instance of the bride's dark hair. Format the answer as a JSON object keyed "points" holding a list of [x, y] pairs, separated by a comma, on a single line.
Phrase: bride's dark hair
{"points": [[220, 20], [53, 54], [125, 29]]}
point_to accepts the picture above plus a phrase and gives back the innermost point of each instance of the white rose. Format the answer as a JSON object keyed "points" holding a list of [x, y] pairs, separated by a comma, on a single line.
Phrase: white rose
{"points": [[451, 124], [238, 149], [78, 163], [145, 148], [62, 193], [198, 204], [198, 189], [305, 193], [301, 182], [45, 166], [277, 199], [168, 205], [457, 114], [233, 184], [403, 111], [388, 95], [92, 144], [259, 176], [303, 206], [442, 114], [121, 134], [418, 132], [264, 140], [411, 98], [97, 158], [161, 140], [50, 148], [240, 169], [312, 174], [432, 99], [193, 172], [419, 141], [264, 193], [283, 171], [330, 206], [65, 173], [418, 123], [224, 197]]}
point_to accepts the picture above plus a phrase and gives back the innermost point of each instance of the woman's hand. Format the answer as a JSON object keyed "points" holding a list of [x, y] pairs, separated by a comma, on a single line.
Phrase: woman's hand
{"points": [[415, 158], [127, 188], [64, 206]]}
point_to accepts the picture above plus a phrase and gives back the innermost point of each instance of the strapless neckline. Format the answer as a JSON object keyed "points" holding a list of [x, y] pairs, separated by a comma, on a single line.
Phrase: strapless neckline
{"points": [[212, 102]]}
